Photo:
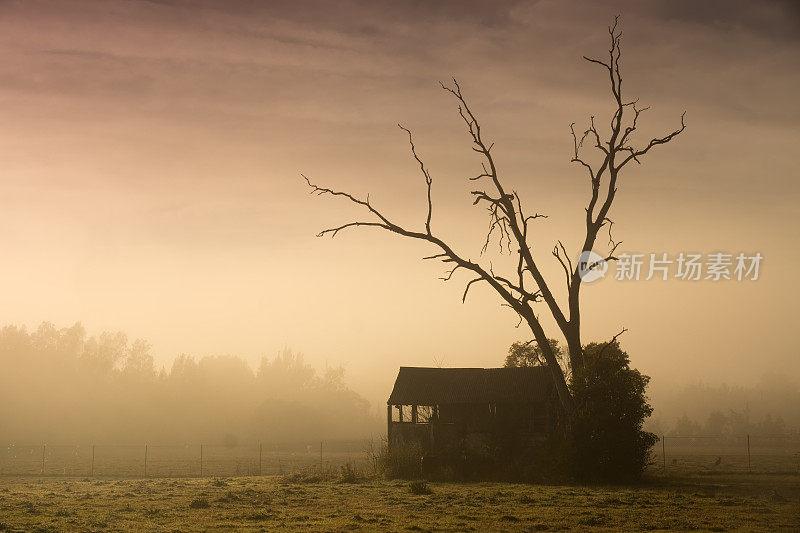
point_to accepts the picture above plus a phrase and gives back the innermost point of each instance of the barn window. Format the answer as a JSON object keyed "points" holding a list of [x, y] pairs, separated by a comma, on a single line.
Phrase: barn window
{"points": [[404, 413], [425, 414]]}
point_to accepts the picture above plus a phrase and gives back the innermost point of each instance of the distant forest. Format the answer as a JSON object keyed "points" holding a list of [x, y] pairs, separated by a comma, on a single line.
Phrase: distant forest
{"points": [[772, 407], [61, 386]]}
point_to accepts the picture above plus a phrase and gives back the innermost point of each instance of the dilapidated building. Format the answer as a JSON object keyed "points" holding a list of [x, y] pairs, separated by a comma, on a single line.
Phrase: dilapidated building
{"points": [[470, 410]]}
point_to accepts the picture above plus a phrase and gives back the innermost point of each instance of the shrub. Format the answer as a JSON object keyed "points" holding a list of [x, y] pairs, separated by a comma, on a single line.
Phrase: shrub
{"points": [[306, 477], [550, 461], [349, 474], [419, 486], [403, 461], [199, 503], [606, 441]]}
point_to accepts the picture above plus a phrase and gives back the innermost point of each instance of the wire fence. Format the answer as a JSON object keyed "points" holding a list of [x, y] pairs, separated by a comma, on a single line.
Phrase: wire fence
{"points": [[672, 455], [705, 454], [191, 460]]}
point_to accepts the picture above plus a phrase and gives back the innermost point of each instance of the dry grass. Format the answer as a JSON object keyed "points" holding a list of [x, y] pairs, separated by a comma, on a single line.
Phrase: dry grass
{"points": [[714, 503]]}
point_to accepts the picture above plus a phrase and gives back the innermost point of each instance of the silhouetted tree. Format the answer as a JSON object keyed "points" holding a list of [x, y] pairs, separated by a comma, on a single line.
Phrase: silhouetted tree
{"points": [[686, 426], [510, 223], [529, 353]]}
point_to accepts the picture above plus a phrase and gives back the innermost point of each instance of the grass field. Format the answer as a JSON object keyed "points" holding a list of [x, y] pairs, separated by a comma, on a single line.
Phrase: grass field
{"points": [[684, 456], [177, 461], [312, 503]]}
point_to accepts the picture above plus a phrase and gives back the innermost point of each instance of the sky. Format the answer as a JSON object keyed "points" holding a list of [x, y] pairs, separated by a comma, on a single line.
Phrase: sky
{"points": [[152, 150]]}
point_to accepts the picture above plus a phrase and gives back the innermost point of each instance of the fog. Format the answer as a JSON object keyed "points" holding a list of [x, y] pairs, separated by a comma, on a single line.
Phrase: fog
{"points": [[769, 408], [61, 386], [150, 184]]}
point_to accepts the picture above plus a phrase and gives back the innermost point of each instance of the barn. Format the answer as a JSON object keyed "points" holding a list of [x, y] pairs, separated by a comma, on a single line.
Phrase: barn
{"points": [[470, 410]]}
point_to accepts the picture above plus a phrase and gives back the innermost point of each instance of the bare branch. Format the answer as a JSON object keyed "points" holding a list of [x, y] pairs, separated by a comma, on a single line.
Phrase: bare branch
{"points": [[319, 191], [447, 254], [575, 157], [612, 341], [524, 296], [466, 289], [592, 60], [655, 142], [428, 180], [567, 269], [449, 273], [513, 226], [333, 231]]}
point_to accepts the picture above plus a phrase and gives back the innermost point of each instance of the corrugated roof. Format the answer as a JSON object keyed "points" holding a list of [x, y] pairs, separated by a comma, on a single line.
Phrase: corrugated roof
{"points": [[430, 386]]}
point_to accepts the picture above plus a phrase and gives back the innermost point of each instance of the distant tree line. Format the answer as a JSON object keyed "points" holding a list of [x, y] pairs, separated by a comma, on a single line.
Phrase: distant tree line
{"points": [[730, 423], [770, 407], [63, 386]]}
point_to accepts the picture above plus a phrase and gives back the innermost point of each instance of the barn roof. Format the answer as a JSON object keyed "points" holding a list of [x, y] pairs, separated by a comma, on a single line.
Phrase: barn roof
{"points": [[430, 386]]}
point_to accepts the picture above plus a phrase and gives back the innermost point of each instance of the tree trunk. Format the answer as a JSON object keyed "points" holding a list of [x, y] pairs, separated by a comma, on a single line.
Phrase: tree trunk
{"points": [[575, 351], [559, 381]]}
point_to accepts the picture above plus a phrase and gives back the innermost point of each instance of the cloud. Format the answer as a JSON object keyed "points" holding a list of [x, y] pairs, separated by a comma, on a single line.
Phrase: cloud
{"points": [[773, 19]]}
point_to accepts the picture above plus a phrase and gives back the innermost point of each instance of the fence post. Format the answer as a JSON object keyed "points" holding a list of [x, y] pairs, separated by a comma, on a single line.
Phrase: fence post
{"points": [[145, 460], [92, 460], [44, 448], [749, 468], [664, 452], [320, 456], [201, 460], [260, 450]]}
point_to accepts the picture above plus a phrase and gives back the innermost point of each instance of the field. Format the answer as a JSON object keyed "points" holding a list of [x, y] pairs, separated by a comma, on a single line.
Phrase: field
{"points": [[122, 461], [702, 485], [701, 455], [331, 503]]}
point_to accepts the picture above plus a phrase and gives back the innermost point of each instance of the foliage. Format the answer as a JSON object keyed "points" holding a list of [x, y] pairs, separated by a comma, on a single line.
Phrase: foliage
{"points": [[199, 503], [404, 461], [302, 478], [603, 439], [419, 486], [606, 438], [349, 474], [522, 354]]}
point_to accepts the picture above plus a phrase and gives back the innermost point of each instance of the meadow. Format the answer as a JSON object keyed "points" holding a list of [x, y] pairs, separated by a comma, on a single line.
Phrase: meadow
{"points": [[339, 501], [257, 488]]}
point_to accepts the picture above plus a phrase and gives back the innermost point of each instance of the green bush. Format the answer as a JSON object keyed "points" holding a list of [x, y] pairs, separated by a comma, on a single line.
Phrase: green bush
{"points": [[199, 503], [605, 440], [419, 486], [349, 474], [404, 461]]}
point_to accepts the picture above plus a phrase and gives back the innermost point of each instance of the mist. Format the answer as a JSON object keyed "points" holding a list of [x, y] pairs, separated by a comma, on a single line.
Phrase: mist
{"points": [[151, 184], [151, 178], [61, 386], [768, 408]]}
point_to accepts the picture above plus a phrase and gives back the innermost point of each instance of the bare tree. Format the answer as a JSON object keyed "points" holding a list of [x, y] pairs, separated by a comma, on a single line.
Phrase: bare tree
{"points": [[510, 223]]}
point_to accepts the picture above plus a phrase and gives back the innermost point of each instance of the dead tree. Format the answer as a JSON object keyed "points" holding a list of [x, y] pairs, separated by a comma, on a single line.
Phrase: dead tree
{"points": [[510, 223]]}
